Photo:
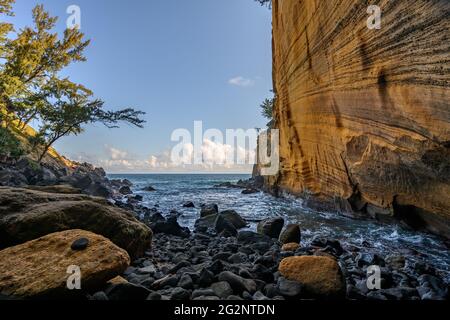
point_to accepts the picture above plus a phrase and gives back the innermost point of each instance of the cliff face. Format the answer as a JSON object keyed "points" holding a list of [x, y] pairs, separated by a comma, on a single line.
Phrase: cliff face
{"points": [[364, 115]]}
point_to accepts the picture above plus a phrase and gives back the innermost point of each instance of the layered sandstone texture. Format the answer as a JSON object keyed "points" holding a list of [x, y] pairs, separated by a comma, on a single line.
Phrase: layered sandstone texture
{"points": [[364, 114]]}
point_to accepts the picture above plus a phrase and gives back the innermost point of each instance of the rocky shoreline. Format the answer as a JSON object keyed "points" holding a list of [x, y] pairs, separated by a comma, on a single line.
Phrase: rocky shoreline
{"points": [[127, 251]]}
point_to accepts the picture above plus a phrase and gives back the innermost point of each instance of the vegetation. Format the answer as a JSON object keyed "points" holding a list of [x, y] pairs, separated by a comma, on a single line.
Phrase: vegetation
{"points": [[267, 111], [9, 144], [31, 88], [267, 3]]}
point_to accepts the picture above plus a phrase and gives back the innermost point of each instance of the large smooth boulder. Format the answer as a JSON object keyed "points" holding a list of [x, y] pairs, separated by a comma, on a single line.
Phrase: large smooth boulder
{"points": [[40, 268], [28, 214], [291, 234], [320, 276], [271, 227]]}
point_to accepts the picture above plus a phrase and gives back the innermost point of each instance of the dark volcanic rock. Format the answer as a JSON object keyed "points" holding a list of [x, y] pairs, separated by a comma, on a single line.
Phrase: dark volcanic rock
{"points": [[189, 205], [80, 244], [271, 227], [125, 190], [238, 283], [209, 209], [127, 291], [170, 226], [291, 234]]}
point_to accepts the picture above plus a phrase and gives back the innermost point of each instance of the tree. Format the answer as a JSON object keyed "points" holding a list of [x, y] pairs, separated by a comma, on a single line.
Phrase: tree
{"points": [[70, 108], [31, 88], [267, 111]]}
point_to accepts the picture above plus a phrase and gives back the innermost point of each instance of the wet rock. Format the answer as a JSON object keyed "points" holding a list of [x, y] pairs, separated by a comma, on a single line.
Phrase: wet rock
{"points": [[234, 298], [170, 226], [368, 259], [291, 234], [223, 225], [238, 283], [209, 209], [329, 246], [249, 237], [320, 276], [271, 227], [222, 289], [250, 191], [288, 288], [395, 261], [149, 189], [234, 217], [125, 190], [189, 204], [261, 272], [432, 288]]}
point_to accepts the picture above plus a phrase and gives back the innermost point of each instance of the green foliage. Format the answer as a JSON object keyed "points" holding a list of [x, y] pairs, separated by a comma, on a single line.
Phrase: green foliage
{"points": [[267, 3], [267, 111], [9, 144], [31, 88]]}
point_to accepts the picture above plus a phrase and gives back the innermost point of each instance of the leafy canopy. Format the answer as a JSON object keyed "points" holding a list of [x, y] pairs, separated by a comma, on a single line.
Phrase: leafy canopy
{"points": [[32, 89]]}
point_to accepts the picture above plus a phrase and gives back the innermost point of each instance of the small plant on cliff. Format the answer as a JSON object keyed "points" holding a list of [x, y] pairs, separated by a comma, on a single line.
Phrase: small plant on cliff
{"points": [[267, 3], [31, 87], [267, 111]]}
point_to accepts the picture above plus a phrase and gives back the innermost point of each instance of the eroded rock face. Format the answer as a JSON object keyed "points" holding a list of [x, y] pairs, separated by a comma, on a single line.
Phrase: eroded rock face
{"points": [[364, 115], [29, 214], [39, 268], [320, 276]]}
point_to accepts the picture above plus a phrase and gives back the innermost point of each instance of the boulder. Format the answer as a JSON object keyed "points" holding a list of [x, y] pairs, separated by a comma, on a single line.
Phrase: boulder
{"points": [[149, 189], [250, 191], [291, 234], [39, 268], [250, 237], [170, 226], [237, 283], [232, 216], [271, 227], [125, 190], [320, 276], [209, 221], [208, 210], [29, 214], [224, 226], [189, 204]]}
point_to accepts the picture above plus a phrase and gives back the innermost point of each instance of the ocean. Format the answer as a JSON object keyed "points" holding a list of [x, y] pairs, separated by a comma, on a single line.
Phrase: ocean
{"points": [[173, 190]]}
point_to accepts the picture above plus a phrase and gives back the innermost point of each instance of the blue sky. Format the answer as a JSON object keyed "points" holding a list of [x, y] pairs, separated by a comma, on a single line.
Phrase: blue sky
{"points": [[179, 61]]}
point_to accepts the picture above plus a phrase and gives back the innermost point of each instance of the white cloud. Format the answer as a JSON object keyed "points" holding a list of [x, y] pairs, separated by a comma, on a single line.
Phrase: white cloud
{"points": [[241, 82], [216, 158], [116, 154]]}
